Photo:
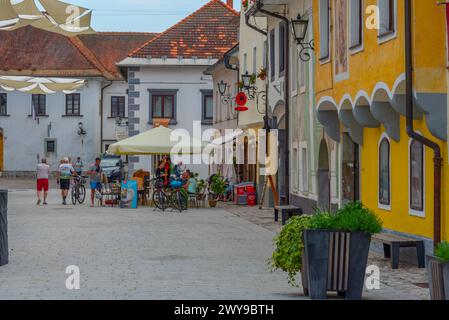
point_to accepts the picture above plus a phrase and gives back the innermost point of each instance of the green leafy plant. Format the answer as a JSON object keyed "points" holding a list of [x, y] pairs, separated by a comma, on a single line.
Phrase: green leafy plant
{"points": [[200, 186], [253, 78], [289, 248], [217, 186], [353, 217], [442, 251]]}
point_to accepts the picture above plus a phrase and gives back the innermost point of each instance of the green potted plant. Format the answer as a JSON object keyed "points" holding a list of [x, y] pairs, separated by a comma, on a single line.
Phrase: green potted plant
{"points": [[217, 188], [438, 272], [336, 248], [289, 248]]}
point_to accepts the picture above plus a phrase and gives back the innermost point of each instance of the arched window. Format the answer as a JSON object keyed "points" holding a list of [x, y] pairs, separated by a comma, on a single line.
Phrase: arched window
{"points": [[416, 176], [384, 172]]}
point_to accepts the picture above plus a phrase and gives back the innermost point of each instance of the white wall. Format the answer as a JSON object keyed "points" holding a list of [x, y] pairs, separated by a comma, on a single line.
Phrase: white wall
{"points": [[189, 81], [24, 137], [118, 88]]}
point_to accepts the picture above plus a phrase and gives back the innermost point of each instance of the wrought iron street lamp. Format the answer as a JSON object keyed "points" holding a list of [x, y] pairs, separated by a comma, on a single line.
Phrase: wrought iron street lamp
{"points": [[300, 26], [222, 86], [246, 80]]}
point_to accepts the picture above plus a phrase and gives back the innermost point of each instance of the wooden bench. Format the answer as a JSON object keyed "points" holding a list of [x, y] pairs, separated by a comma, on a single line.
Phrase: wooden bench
{"points": [[393, 243], [286, 212]]}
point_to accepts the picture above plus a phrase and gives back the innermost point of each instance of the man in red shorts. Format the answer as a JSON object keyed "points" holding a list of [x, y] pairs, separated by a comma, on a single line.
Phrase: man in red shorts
{"points": [[43, 171]]}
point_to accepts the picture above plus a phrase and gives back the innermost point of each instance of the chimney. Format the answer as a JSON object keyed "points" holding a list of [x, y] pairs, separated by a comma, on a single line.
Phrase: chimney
{"points": [[230, 3]]}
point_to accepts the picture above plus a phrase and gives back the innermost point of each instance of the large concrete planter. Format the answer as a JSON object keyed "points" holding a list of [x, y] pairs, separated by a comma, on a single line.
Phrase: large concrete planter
{"points": [[438, 274], [3, 227], [336, 262]]}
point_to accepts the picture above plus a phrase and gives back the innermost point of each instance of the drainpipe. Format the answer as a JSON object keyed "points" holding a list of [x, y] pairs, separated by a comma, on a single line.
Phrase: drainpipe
{"points": [[101, 114], [437, 160], [287, 92]]}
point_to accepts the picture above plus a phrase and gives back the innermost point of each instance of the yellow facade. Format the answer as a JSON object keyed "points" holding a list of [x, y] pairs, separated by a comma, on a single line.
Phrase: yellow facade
{"points": [[377, 71]]}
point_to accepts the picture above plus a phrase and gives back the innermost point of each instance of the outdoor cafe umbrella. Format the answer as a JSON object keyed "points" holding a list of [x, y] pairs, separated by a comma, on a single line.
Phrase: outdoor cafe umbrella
{"points": [[33, 85], [58, 17], [158, 141]]}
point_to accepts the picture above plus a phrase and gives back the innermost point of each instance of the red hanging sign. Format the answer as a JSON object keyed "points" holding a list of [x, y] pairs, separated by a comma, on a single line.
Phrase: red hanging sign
{"points": [[241, 99]]}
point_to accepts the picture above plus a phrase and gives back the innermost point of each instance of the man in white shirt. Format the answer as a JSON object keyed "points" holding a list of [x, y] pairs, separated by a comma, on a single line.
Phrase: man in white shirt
{"points": [[43, 171]]}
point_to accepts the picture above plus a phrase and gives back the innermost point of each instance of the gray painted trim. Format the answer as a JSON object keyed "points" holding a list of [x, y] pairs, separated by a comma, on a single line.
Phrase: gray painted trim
{"points": [[355, 130], [329, 119], [398, 104], [163, 91], [435, 107], [384, 113], [363, 115]]}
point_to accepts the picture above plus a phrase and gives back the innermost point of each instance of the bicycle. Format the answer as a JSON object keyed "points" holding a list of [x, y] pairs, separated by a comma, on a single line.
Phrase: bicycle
{"points": [[169, 197], [79, 190]]}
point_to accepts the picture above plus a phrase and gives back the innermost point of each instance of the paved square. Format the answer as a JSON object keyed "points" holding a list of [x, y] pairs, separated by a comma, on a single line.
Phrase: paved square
{"points": [[140, 254]]}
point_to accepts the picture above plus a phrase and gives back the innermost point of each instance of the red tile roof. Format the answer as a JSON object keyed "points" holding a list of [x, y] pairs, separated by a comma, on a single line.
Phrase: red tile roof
{"points": [[112, 47], [208, 32], [31, 51]]}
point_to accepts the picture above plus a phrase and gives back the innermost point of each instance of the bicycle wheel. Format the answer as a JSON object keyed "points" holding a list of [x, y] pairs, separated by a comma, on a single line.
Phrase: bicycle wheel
{"points": [[160, 200], [178, 201], [74, 195], [81, 194]]}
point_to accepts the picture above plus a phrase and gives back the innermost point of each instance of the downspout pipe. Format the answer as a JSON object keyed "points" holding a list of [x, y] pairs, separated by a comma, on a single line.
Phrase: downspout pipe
{"points": [[102, 113], [287, 93], [437, 160]]}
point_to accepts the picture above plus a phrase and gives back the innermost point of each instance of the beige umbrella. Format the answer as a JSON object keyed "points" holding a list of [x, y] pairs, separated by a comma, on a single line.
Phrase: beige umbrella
{"points": [[60, 17], [158, 141]]}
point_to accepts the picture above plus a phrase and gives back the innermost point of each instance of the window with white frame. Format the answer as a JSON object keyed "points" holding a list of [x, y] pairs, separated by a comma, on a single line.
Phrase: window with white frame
{"points": [[384, 172], [356, 17], [305, 170], [255, 60], [324, 29], [295, 169], [294, 69], [417, 176], [265, 54], [387, 17], [302, 78], [245, 62]]}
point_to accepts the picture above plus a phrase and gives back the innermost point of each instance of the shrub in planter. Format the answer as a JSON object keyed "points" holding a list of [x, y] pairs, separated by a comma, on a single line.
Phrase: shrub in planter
{"points": [[336, 248], [217, 188], [289, 248], [438, 272]]}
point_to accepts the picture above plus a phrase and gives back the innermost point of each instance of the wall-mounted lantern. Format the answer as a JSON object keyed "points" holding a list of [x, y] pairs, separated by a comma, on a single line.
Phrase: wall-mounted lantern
{"points": [[300, 26]]}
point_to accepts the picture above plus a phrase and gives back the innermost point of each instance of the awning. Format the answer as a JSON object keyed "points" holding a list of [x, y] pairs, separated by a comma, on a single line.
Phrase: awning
{"points": [[58, 17], [40, 85], [158, 141]]}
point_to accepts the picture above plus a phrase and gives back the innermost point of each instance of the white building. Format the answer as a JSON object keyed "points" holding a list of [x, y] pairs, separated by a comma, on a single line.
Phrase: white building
{"points": [[166, 76], [55, 132]]}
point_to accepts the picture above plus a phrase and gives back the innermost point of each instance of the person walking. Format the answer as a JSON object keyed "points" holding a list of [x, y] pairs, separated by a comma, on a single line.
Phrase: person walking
{"points": [[64, 175], [78, 166], [96, 174], [43, 172]]}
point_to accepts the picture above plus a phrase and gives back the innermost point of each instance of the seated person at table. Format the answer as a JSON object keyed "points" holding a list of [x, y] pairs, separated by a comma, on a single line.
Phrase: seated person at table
{"points": [[191, 184]]}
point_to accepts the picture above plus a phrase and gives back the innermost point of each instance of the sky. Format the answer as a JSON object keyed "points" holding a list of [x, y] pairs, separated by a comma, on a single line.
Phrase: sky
{"points": [[139, 15]]}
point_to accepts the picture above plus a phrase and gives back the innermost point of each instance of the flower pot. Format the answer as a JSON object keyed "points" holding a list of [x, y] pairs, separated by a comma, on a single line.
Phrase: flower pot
{"points": [[212, 203], [438, 274], [334, 261]]}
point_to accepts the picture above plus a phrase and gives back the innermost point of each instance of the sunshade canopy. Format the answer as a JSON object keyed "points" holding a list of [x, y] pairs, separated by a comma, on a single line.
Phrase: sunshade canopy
{"points": [[58, 17], [158, 141], [40, 85]]}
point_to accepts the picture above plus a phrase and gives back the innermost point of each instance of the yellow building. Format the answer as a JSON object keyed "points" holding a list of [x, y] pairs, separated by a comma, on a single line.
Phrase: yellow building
{"points": [[360, 86]]}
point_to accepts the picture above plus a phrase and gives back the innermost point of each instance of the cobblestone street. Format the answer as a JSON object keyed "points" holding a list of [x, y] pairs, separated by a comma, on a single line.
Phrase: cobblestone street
{"points": [[144, 254]]}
